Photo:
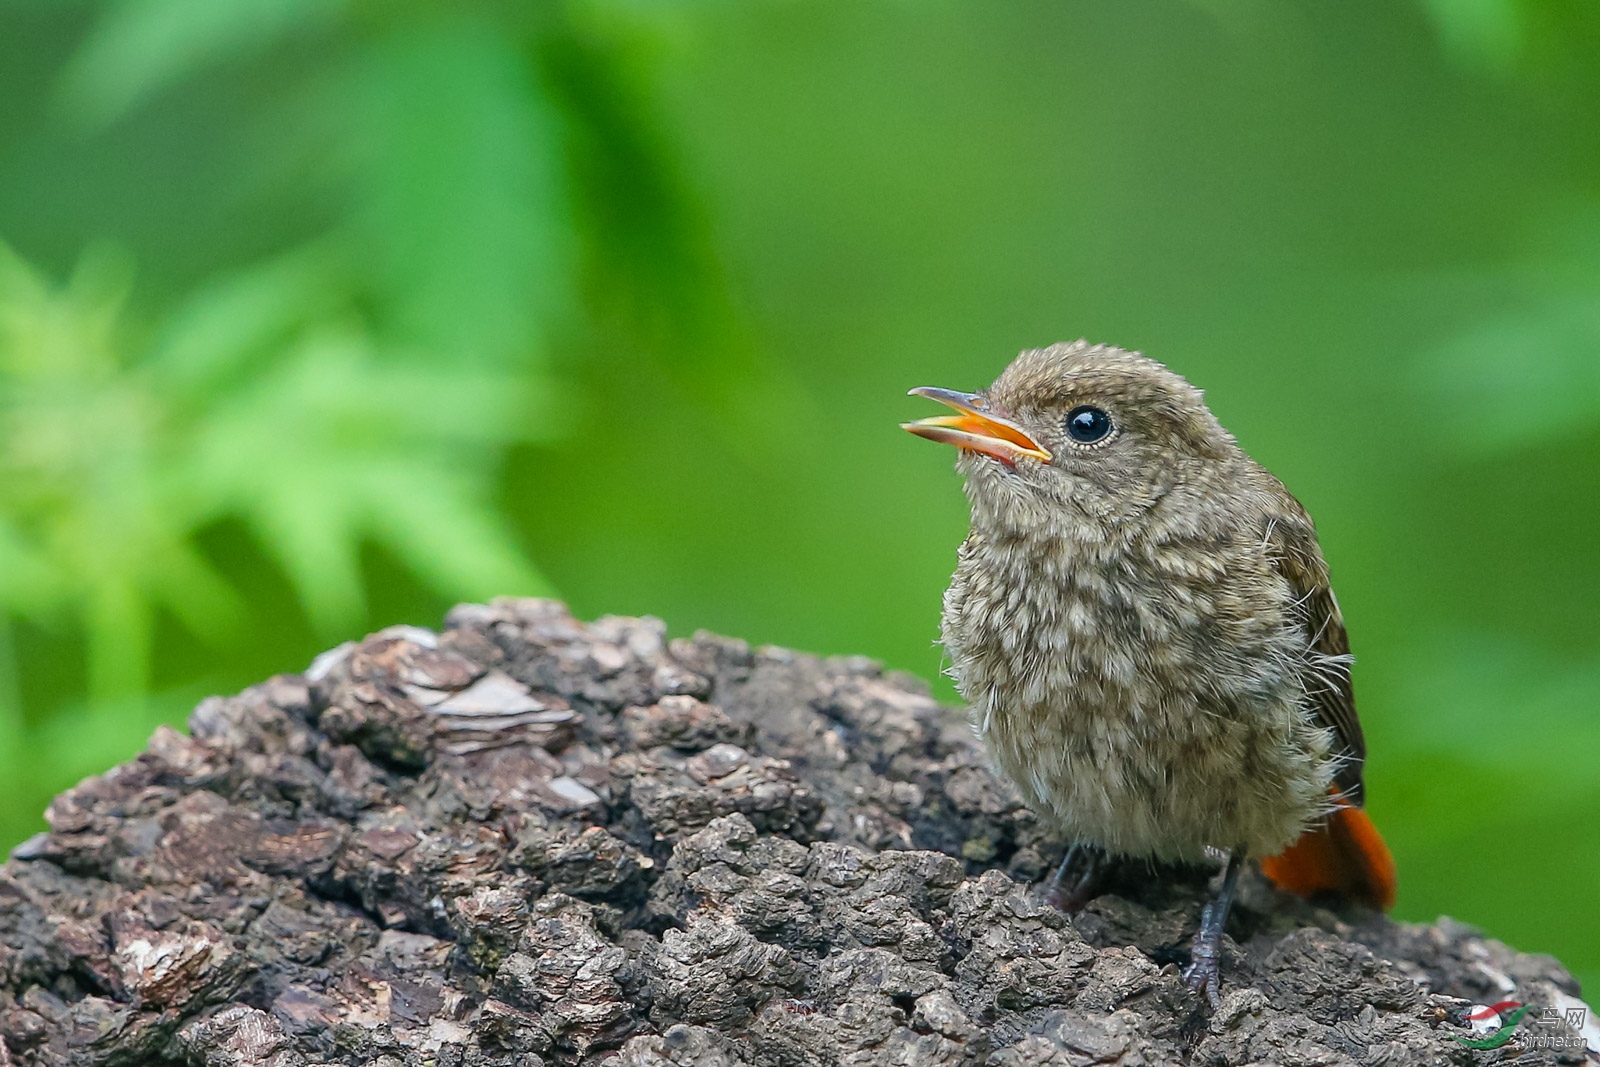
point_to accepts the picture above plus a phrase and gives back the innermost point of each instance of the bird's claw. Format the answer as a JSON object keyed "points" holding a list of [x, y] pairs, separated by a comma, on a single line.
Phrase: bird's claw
{"points": [[1076, 880], [1063, 899], [1204, 975]]}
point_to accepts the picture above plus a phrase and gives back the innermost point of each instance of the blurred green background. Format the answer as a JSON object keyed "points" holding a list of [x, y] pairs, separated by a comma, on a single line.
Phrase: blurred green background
{"points": [[319, 315]]}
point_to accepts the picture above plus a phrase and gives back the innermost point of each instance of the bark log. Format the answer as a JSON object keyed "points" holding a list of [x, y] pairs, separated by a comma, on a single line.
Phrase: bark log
{"points": [[526, 840]]}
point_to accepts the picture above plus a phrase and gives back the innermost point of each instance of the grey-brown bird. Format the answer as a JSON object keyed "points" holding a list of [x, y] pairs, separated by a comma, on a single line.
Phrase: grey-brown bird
{"points": [[1141, 622]]}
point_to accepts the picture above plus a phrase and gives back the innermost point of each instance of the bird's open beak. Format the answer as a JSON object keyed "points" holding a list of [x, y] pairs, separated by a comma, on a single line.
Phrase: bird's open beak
{"points": [[975, 429]]}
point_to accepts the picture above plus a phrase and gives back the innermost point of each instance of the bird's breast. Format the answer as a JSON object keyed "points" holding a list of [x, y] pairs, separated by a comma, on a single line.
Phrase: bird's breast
{"points": [[1128, 698]]}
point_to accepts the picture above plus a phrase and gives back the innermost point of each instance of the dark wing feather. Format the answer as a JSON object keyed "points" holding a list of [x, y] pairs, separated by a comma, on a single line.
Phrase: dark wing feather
{"points": [[1292, 541]]}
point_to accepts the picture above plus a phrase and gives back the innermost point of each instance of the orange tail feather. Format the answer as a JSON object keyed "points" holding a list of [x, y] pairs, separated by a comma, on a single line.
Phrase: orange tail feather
{"points": [[1344, 855]]}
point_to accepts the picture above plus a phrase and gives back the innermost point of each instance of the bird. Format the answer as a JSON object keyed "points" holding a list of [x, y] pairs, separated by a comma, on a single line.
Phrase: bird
{"points": [[1142, 625]]}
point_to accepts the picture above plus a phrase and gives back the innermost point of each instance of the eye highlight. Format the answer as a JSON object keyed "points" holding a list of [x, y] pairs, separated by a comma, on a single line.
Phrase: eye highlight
{"points": [[1087, 424]]}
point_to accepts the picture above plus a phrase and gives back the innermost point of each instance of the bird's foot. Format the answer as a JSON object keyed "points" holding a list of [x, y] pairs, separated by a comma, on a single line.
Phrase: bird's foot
{"points": [[1204, 973], [1075, 882]]}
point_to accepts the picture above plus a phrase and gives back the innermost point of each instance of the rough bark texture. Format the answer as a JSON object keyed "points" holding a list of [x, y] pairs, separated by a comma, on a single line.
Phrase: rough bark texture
{"points": [[526, 840]]}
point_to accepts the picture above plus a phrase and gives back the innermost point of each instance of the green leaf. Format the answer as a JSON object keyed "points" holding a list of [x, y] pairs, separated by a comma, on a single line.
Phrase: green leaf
{"points": [[140, 47], [459, 199], [334, 441], [29, 584], [1483, 33], [435, 521], [88, 511], [246, 316], [1539, 359], [1462, 685]]}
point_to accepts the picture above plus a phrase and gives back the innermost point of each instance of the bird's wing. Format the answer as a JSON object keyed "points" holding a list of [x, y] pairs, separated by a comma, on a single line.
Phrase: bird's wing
{"points": [[1291, 540]]}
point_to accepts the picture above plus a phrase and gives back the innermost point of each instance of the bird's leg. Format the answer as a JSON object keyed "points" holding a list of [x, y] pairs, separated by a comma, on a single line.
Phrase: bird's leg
{"points": [[1205, 957], [1074, 883]]}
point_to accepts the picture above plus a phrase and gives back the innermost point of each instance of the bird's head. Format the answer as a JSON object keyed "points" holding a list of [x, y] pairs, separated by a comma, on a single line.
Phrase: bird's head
{"points": [[1076, 435]]}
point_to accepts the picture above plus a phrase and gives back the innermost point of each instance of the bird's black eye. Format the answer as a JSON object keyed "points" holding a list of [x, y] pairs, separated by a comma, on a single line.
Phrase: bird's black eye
{"points": [[1087, 424]]}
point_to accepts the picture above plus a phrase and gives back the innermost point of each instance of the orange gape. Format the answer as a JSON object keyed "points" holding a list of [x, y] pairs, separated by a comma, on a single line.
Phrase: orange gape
{"points": [[1344, 855]]}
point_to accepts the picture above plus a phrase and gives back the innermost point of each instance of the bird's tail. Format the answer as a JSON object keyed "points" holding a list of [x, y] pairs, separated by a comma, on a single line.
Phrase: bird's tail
{"points": [[1343, 855]]}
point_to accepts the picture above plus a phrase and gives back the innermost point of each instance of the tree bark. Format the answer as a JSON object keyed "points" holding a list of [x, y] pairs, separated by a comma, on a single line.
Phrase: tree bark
{"points": [[526, 840]]}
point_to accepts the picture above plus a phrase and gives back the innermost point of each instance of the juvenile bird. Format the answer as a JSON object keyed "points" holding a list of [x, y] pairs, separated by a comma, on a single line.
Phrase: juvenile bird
{"points": [[1141, 622]]}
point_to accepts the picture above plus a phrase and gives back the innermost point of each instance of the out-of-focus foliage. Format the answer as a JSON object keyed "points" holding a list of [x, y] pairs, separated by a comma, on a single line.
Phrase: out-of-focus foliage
{"points": [[354, 382], [246, 406], [384, 304]]}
